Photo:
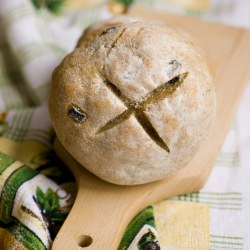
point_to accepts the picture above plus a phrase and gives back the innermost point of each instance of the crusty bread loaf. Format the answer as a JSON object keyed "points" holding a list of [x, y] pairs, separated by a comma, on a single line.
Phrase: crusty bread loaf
{"points": [[133, 102]]}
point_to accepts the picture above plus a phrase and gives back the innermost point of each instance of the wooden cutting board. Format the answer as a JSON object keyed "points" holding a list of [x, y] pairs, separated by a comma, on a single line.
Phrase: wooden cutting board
{"points": [[102, 210]]}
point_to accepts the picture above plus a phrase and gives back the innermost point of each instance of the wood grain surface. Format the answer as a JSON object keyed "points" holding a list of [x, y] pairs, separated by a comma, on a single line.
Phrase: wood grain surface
{"points": [[102, 210]]}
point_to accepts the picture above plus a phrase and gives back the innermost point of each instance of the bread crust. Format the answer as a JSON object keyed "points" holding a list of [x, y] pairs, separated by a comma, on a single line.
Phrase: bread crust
{"points": [[147, 98]]}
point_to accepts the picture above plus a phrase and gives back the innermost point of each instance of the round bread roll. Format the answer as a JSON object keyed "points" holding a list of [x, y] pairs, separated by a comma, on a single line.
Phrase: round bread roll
{"points": [[133, 103]]}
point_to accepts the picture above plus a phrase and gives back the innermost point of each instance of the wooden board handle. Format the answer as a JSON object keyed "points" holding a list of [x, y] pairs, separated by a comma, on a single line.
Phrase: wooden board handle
{"points": [[93, 222], [100, 213], [102, 210]]}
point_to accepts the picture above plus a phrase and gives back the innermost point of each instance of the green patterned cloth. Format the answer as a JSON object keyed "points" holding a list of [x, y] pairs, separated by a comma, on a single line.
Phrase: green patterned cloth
{"points": [[36, 189]]}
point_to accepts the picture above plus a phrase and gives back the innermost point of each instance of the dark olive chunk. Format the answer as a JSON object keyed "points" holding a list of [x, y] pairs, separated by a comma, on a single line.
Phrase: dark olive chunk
{"points": [[109, 30], [77, 114]]}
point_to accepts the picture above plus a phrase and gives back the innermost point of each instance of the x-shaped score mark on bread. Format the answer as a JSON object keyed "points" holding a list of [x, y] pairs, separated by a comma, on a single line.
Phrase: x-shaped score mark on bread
{"points": [[137, 108]]}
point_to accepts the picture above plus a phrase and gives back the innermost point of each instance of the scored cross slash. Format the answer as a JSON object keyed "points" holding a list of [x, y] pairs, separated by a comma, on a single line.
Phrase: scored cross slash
{"points": [[137, 108]]}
